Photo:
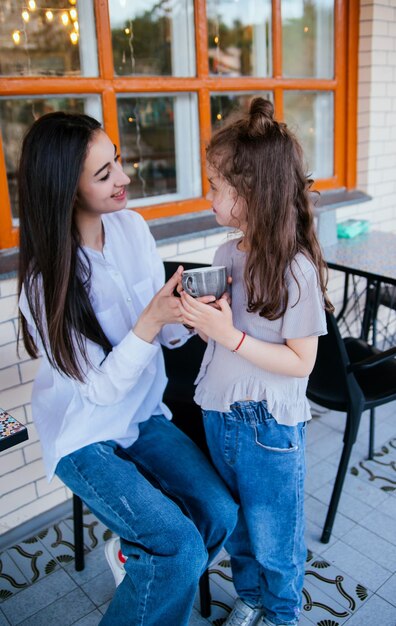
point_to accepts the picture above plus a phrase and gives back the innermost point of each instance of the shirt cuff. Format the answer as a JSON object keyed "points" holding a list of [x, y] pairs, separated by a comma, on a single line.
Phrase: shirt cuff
{"points": [[135, 350]]}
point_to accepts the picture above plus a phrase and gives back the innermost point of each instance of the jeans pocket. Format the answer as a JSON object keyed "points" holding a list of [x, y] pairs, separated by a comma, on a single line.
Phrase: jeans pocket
{"points": [[276, 437]]}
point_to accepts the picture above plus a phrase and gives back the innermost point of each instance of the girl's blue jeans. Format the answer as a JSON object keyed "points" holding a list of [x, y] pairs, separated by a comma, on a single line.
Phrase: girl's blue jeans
{"points": [[263, 465], [171, 510]]}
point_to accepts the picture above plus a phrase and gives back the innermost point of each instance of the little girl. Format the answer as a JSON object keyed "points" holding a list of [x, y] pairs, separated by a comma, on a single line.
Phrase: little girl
{"points": [[260, 352]]}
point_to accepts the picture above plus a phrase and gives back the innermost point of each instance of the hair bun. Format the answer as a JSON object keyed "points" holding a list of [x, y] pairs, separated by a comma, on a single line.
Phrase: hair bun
{"points": [[261, 115]]}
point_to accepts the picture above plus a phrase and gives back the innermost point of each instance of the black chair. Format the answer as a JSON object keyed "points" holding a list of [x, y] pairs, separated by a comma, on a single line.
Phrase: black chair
{"points": [[350, 376], [182, 366]]}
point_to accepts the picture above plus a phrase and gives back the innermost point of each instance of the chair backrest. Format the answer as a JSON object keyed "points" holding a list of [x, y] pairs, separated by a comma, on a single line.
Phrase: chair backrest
{"points": [[330, 384]]}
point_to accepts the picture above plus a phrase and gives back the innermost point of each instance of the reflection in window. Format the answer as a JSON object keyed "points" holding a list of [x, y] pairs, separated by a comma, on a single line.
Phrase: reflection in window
{"points": [[18, 114], [159, 146], [239, 37], [153, 38], [311, 116], [308, 38], [58, 40], [224, 104]]}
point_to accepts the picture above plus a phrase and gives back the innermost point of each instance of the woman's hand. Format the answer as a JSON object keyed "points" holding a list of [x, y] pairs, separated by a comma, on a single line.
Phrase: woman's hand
{"points": [[164, 308], [213, 321]]}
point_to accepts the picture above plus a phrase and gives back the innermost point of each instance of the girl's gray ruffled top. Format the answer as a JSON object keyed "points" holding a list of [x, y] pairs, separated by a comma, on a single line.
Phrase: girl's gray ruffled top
{"points": [[226, 377]]}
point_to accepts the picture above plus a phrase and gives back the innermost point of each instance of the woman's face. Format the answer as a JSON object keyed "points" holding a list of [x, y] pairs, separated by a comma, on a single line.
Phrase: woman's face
{"points": [[101, 188], [228, 208]]}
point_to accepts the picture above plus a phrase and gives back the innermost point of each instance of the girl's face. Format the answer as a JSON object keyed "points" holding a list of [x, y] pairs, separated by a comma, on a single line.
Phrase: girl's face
{"points": [[228, 208], [101, 188]]}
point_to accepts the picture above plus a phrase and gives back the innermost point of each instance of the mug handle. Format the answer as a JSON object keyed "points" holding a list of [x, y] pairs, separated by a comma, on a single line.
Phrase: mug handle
{"points": [[190, 285]]}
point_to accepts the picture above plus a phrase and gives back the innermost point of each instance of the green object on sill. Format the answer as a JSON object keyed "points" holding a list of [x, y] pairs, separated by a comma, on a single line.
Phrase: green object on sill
{"points": [[352, 228]]}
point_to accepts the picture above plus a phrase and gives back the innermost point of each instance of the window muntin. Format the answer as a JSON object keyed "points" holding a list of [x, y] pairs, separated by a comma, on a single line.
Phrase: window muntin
{"points": [[239, 37], [311, 115], [159, 156], [153, 38], [17, 115], [308, 38], [55, 41]]}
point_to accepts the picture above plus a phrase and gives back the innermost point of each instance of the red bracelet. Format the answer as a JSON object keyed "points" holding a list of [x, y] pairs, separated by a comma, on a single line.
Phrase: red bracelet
{"points": [[240, 343]]}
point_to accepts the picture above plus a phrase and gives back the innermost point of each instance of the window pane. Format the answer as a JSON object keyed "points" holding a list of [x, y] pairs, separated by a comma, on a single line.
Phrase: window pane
{"points": [[308, 38], [17, 114], [239, 37], [159, 146], [153, 38], [222, 104], [55, 41], [311, 115]]}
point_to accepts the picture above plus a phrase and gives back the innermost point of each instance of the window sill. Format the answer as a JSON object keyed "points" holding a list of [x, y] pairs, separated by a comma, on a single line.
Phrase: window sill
{"points": [[192, 225]]}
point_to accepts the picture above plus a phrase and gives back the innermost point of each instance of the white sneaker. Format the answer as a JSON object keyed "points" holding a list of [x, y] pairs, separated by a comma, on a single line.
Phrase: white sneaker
{"points": [[243, 615], [115, 559]]}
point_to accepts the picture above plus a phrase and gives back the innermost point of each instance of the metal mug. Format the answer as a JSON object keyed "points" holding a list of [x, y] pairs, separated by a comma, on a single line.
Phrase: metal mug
{"points": [[205, 281]]}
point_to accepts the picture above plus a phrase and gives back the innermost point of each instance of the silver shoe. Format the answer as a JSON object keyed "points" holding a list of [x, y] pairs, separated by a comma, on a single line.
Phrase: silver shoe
{"points": [[243, 615]]}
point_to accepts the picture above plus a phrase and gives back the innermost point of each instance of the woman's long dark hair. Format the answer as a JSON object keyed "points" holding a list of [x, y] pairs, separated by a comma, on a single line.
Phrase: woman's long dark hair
{"points": [[53, 269], [263, 161]]}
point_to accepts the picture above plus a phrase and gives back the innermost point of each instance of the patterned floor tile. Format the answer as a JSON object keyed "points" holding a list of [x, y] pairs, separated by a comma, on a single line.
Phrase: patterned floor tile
{"points": [[318, 606], [95, 532], [33, 558], [59, 541], [11, 578], [381, 471], [346, 591]]}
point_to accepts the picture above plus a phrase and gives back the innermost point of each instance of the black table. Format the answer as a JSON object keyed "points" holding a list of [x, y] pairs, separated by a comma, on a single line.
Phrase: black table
{"points": [[372, 256]]}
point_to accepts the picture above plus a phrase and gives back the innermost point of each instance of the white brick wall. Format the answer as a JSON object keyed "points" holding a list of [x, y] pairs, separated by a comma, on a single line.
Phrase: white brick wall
{"points": [[25, 491]]}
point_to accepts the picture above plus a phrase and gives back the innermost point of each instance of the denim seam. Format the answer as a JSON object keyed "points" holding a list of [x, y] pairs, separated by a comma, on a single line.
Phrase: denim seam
{"points": [[98, 496]]}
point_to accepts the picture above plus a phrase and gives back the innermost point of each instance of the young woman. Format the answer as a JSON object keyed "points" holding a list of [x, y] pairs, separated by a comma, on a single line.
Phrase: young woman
{"points": [[261, 350], [93, 303]]}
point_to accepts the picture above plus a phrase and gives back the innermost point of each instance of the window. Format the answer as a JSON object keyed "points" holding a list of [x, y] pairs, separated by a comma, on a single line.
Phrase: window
{"points": [[162, 75]]}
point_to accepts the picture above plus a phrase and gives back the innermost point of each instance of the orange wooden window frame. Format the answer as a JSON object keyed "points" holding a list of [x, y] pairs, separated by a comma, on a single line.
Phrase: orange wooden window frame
{"points": [[343, 85]]}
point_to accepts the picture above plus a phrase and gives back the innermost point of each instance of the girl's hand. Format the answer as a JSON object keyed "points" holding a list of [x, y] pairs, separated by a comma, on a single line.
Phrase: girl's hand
{"points": [[164, 308], [213, 321]]}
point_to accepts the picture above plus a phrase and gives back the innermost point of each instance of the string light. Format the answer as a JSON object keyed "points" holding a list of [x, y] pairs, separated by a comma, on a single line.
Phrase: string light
{"points": [[219, 116], [216, 40], [306, 29], [136, 166], [68, 17], [127, 31], [130, 119]]}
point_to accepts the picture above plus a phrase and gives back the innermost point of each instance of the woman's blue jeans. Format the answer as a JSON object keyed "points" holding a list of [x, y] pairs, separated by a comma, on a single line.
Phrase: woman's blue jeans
{"points": [[171, 510], [263, 465]]}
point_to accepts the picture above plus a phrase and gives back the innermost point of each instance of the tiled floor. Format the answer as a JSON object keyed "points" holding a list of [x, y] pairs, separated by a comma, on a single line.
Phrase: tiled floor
{"points": [[351, 580]]}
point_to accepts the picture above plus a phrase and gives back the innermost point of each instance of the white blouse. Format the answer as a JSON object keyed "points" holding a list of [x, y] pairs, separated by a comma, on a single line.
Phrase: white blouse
{"points": [[126, 387]]}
